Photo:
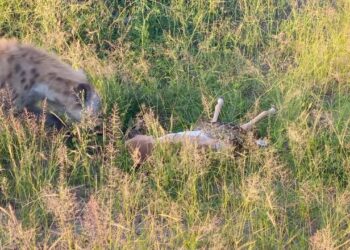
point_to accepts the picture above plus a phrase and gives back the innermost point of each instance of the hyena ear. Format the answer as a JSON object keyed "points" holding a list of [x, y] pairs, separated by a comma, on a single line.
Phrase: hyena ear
{"points": [[82, 90]]}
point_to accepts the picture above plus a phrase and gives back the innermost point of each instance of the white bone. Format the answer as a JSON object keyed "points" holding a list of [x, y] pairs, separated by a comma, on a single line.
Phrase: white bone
{"points": [[197, 136], [249, 125], [217, 110]]}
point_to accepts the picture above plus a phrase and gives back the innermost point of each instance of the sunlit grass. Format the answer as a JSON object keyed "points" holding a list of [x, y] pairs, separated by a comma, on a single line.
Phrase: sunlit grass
{"points": [[82, 190]]}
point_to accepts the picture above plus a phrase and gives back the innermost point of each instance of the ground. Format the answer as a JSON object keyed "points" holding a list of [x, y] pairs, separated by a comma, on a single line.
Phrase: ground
{"points": [[176, 58]]}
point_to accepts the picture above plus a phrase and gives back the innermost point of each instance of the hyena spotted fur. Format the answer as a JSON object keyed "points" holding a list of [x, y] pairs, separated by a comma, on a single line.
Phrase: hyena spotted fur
{"points": [[33, 75]]}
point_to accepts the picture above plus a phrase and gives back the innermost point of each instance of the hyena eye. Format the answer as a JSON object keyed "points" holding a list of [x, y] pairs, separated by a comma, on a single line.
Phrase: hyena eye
{"points": [[82, 91]]}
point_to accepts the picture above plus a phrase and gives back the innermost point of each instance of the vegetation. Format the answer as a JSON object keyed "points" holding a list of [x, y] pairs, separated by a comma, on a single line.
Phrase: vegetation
{"points": [[176, 57]]}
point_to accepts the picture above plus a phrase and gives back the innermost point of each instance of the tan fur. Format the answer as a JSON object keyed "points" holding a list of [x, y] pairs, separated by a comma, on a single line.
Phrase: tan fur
{"points": [[33, 75]]}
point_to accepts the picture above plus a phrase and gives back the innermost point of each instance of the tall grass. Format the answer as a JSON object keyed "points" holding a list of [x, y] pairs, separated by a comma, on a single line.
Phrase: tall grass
{"points": [[176, 57]]}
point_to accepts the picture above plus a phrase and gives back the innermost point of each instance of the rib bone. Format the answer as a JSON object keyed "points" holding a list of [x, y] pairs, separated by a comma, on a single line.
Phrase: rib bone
{"points": [[249, 125], [217, 110]]}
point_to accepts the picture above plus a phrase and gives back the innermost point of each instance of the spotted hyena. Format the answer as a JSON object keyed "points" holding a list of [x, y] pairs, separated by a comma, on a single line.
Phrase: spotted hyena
{"points": [[33, 75]]}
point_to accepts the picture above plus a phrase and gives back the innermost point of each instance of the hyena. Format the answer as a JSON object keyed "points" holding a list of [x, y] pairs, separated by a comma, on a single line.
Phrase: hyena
{"points": [[33, 75]]}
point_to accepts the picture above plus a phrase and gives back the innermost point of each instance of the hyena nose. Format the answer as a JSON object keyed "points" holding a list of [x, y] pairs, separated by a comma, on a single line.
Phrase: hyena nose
{"points": [[94, 104]]}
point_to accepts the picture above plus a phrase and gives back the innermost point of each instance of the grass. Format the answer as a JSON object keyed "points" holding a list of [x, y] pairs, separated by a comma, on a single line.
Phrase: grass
{"points": [[176, 57]]}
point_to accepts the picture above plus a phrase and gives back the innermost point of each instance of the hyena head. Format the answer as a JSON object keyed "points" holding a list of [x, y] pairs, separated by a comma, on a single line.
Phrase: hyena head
{"points": [[84, 98], [74, 100]]}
